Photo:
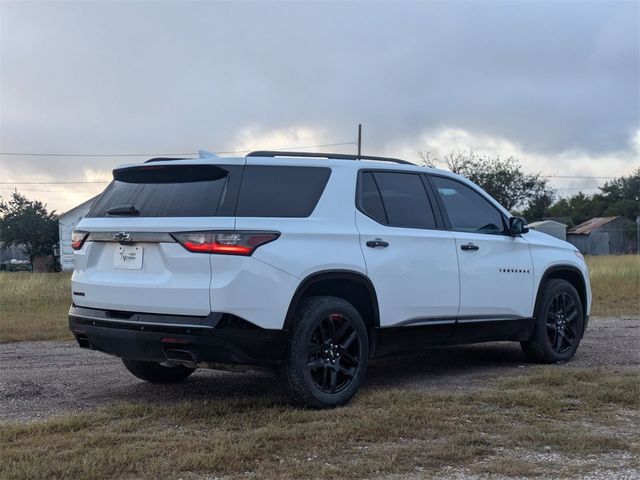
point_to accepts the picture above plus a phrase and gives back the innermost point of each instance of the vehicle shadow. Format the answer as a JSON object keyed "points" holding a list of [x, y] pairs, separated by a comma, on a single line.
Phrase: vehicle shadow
{"points": [[458, 368], [452, 368]]}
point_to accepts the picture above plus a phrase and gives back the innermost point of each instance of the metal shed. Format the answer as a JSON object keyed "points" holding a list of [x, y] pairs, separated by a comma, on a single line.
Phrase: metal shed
{"points": [[603, 236], [66, 224], [551, 227]]}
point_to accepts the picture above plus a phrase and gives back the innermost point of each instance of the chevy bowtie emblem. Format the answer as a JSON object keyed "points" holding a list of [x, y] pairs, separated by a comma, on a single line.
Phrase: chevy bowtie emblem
{"points": [[122, 237]]}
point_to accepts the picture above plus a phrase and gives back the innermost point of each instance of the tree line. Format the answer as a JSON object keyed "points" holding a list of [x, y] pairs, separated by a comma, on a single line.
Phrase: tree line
{"points": [[530, 195]]}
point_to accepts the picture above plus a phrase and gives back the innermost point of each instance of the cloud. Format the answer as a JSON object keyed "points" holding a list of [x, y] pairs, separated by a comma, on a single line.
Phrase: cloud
{"points": [[571, 162], [556, 80], [255, 137]]}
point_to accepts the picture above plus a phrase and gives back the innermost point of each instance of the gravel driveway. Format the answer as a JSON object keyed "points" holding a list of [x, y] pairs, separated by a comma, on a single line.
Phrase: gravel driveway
{"points": [[39, 379]]}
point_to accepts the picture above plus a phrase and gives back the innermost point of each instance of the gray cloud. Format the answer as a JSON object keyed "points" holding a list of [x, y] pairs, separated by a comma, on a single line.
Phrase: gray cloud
{"points": [[176, 76]]}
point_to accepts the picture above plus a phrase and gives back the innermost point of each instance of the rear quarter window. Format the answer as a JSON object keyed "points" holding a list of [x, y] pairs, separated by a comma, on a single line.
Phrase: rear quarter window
{"points": [[281, 191]]}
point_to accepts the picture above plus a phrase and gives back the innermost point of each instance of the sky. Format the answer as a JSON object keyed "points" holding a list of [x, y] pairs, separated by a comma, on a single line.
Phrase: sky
{"points": [[554, 84]]}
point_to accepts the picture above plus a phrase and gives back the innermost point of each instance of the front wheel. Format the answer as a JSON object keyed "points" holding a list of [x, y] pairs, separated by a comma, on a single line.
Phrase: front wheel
{"points": [[327, 353], [155, 373], [559, 324]]}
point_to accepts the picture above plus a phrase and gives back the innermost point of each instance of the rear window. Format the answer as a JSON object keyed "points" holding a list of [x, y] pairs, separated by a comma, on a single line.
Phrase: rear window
{"points": [[397, 200], [275, 191], [212, 190], [171, 191]]}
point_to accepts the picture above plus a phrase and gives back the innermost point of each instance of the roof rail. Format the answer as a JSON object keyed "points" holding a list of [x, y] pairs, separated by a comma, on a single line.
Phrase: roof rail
{"points": [[337, 156], [165, 159]]}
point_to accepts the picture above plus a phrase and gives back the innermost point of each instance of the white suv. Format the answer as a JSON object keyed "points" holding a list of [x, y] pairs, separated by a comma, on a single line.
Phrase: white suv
{"points": [[312, 264]]}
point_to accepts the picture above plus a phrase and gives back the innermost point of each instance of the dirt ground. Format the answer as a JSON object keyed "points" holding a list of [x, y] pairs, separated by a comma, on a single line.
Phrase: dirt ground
{"points": [[40, 379]]}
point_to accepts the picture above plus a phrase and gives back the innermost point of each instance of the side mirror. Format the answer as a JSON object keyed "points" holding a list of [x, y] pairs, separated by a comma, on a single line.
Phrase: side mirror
{"points": [[517, 226]]}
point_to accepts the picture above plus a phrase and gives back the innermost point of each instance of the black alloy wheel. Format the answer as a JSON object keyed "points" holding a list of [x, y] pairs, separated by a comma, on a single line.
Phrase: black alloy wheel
{"points": [[558, 325], [333, 354], [562, 317], [327, 353]]}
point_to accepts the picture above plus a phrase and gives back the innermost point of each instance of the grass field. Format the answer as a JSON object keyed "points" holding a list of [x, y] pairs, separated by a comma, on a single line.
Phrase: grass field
{"points": [[615, 283], [34, 306], [508, 429]]}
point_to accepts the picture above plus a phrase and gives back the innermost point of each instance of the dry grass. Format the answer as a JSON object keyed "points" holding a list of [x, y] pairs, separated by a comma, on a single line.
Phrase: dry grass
{"points": [[574, 413], [34, 306], [615, 282]]}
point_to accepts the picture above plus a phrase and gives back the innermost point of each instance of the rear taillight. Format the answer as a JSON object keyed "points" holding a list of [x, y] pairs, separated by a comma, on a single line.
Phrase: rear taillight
{"points": [[78, 238], [227, 243]]}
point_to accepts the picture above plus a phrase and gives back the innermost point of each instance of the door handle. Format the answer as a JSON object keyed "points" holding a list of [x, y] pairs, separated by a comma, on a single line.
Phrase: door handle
{"points": [[469, 246], [378, 242]]}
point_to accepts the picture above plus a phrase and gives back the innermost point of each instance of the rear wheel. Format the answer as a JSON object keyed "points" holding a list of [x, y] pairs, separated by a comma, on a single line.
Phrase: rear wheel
{"points": [[327, 353], [156, 373], [559, 324]]}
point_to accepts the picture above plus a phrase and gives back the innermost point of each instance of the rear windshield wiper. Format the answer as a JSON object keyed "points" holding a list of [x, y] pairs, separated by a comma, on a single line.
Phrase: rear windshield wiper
{"points": [[123, 210]]}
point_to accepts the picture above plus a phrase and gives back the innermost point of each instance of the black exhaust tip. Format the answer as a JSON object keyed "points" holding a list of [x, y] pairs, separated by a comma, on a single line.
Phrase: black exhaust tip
{"points": [[84, 342], [180, 355]]}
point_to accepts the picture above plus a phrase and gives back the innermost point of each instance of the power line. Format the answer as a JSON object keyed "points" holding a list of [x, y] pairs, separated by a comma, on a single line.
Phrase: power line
{"points": [[42, 154], [574, 176], [11, 189], [85, 182], [25, 154], [51, 183], [102, 182]]}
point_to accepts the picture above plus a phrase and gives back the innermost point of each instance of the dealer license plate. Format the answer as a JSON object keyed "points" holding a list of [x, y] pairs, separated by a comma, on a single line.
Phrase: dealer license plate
{"points": [[128, 257]]}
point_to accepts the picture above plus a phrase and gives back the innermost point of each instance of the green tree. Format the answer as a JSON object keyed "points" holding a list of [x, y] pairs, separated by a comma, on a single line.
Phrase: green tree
{"points": [[619, 197], [28, 225], [503, 179], [578, 208]]}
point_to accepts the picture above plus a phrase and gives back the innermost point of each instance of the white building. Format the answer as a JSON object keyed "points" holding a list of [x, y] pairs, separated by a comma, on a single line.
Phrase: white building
{"points": [[66, 224], [551, 227]]}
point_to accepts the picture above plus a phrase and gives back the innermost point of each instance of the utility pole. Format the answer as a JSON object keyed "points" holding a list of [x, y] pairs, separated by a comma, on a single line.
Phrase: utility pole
{"points": [[638, 234], [359, 140]]}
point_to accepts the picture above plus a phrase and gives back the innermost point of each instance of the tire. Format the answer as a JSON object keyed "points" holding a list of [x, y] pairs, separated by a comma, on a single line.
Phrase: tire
{"points": [[327, 353], [155, 373], [558, 326]]}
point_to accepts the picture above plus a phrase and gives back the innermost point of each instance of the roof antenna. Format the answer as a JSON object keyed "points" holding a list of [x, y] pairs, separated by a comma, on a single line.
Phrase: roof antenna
{"points": [[359, 140]]}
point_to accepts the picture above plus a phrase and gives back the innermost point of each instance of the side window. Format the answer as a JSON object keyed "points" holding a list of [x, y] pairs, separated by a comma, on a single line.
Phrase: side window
{"points": [[397, 200], [468, 211]]}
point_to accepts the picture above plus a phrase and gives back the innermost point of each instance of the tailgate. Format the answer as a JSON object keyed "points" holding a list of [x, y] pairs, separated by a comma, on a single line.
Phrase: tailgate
{"points": [[149, 273]]}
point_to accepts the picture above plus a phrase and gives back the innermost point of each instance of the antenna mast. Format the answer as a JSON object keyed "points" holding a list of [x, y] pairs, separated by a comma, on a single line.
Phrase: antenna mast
{"points": [[359, 140]]}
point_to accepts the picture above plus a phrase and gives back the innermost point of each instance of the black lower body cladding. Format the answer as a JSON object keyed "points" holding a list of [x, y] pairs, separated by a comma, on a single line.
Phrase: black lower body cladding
{"points": [[216, 338]]}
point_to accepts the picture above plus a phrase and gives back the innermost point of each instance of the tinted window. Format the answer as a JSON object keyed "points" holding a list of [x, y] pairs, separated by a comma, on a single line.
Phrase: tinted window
{"points": [[171, 191], [404, 200], [468, 210], [371, 201], [274, 191]]}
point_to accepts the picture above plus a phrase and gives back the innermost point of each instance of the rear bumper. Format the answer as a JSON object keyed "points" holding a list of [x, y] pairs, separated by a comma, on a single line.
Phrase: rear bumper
{"points": [[216, 338]]}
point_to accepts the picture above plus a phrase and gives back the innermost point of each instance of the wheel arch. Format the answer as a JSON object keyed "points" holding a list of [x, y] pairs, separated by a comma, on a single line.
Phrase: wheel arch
{"points": [[571, 274], [352, 286]]}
